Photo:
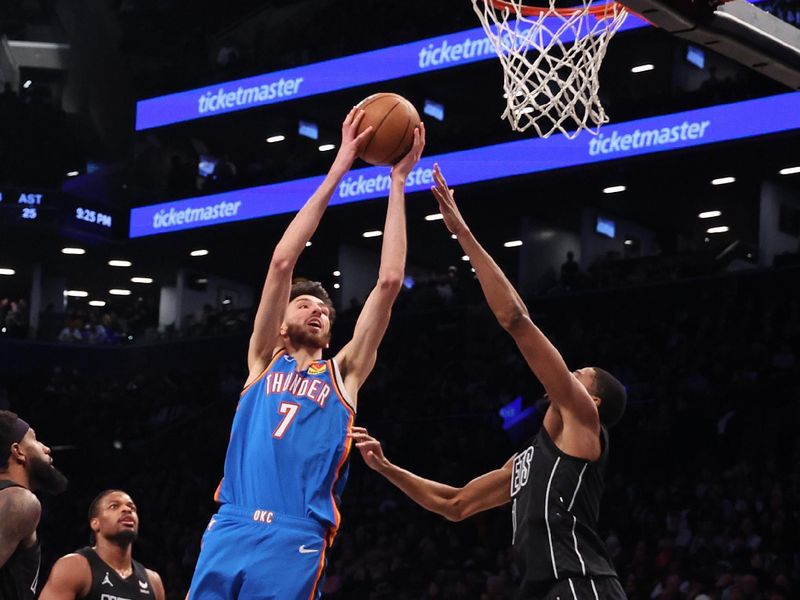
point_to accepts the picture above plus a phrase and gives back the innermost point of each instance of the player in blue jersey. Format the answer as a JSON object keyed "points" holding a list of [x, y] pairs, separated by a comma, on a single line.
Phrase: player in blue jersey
{"points": [[286, 462]]}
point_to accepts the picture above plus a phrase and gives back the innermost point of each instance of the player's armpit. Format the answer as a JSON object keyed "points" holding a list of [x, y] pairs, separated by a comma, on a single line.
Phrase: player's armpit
{"points": [[70, 578], [357, 358], [563, 389]]}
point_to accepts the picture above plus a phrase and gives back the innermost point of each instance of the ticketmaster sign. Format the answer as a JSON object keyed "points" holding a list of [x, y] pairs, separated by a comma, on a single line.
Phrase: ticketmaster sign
{"points": [[419, 57], [656, 134]]}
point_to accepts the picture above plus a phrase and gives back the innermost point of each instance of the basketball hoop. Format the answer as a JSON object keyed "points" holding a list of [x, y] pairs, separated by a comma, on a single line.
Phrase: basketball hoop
{"points": [[551, 61]]}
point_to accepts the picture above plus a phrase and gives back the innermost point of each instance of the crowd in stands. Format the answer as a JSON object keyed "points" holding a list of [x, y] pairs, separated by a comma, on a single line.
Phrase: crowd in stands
{"points": [[702, 492], [14, 317]]}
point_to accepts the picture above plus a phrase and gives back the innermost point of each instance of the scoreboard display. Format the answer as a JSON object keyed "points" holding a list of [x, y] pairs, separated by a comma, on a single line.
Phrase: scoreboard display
{"points": [[51, 210]]}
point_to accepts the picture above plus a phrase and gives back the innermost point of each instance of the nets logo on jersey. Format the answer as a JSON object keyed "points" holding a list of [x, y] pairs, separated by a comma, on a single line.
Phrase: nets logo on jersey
{"points": [[521, 470], [317, 368]]}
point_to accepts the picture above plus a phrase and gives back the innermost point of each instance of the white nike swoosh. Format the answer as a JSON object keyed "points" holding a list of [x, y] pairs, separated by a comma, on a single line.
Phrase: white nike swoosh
{"points": [[304, 550]]}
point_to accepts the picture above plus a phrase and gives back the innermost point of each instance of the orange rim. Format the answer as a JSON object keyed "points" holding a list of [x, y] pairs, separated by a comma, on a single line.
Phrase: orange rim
{"points": [[599, 10]]}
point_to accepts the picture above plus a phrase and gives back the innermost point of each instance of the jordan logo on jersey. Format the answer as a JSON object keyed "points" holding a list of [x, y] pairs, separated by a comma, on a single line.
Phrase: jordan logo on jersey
{"points": [[521, 470], [106, 580], [299, 386]]}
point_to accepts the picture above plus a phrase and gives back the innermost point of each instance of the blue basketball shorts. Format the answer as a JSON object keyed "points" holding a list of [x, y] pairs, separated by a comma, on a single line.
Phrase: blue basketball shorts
{"points": [[250, 554]]}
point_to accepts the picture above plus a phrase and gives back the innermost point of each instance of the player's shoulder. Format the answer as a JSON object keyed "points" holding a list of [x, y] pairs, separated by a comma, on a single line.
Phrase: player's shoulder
{"points": [[72, 560], [155, 581], [19, 506], [73, 568]]}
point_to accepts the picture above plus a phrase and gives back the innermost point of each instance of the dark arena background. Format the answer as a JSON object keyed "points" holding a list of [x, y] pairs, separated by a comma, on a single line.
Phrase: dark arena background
{"points": [[149, 156]]}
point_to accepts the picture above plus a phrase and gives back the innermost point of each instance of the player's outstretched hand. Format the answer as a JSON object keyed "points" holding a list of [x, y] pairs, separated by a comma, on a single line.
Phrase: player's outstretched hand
{"points": [[370, 449], [352, 141], [410, 160], [447, 203]]}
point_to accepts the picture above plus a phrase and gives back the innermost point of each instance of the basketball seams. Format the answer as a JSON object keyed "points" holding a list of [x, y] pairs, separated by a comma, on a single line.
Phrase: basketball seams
{"points": [[378, 125], [393, 153]]}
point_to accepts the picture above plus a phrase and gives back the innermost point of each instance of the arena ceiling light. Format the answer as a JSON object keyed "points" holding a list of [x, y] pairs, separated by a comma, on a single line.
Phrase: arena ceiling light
{"points": [[119, 292], [789, 171], [336, 286], [372, 234], [453, 236], [28, 83], [709, 214], [201, 252], [720, 229], [141, 280], [642, 68], [628, 242], [723, 180], [75, 251], [119, 263], [465, 258], [337, 273], [275, 138], [5, 271], [326, 147], [513, 244], [614, 189], [308, 244], [73, 173], [434, 217], [97, 302], [76, 293]]}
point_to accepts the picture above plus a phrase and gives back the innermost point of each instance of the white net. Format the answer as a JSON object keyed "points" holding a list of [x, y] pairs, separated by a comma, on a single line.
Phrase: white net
{"points": [[551, 63]]}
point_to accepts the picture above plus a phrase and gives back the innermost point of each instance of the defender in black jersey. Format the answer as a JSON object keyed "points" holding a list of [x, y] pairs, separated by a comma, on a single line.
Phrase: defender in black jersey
{"points": [[106, 571], [555, 484], [25, 467]]}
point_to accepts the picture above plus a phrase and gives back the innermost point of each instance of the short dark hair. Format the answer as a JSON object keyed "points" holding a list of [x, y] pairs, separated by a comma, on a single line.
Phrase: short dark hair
{"points": [[305, 287], [94, 510], [7, 421], [613, 397], [94, 507]]}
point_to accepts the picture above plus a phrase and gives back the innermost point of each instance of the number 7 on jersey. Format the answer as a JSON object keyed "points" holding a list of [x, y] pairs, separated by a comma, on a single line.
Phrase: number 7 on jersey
{"points": [[288, 410]]}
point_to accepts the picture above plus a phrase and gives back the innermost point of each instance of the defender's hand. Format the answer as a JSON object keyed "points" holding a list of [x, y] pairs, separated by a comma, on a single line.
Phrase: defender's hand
{"points": [[370, 449], [447, 203]]}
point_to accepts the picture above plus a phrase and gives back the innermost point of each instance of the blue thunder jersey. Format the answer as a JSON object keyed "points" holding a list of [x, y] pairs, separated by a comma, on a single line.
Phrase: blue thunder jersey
{"points": [[289, 442]]}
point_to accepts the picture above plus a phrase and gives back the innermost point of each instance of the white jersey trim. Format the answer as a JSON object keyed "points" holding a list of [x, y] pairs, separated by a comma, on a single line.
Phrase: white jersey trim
{"points": [[340, 384], [547, 518], [594, 589], [572, 587], [577, 487], [575, 539]]}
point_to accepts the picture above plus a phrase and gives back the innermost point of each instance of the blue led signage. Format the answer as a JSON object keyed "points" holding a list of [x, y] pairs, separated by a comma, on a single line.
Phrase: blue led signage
{"points": [[656, 134], [394, 62]]}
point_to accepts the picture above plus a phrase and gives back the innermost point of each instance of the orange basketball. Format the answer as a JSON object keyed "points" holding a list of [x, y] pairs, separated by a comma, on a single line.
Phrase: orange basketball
{"points": [[393, 119]]}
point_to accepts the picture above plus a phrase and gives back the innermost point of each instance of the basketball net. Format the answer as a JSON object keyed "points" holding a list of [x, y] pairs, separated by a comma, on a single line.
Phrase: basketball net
{"points": [[551, 60]]}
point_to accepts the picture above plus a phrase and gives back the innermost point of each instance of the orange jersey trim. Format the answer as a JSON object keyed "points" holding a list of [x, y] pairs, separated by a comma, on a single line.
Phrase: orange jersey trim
{"points": [[348, 444], [280, 352]]}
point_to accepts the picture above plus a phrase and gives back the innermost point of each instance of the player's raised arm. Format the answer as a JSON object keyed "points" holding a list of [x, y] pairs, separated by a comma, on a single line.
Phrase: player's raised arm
{"points": [[275, 294], [358, 357], [563, 388], [455, 504]]}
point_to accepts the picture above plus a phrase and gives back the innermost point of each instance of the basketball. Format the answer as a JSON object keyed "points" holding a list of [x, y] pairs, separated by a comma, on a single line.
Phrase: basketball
{"points": [[393, 119]]}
